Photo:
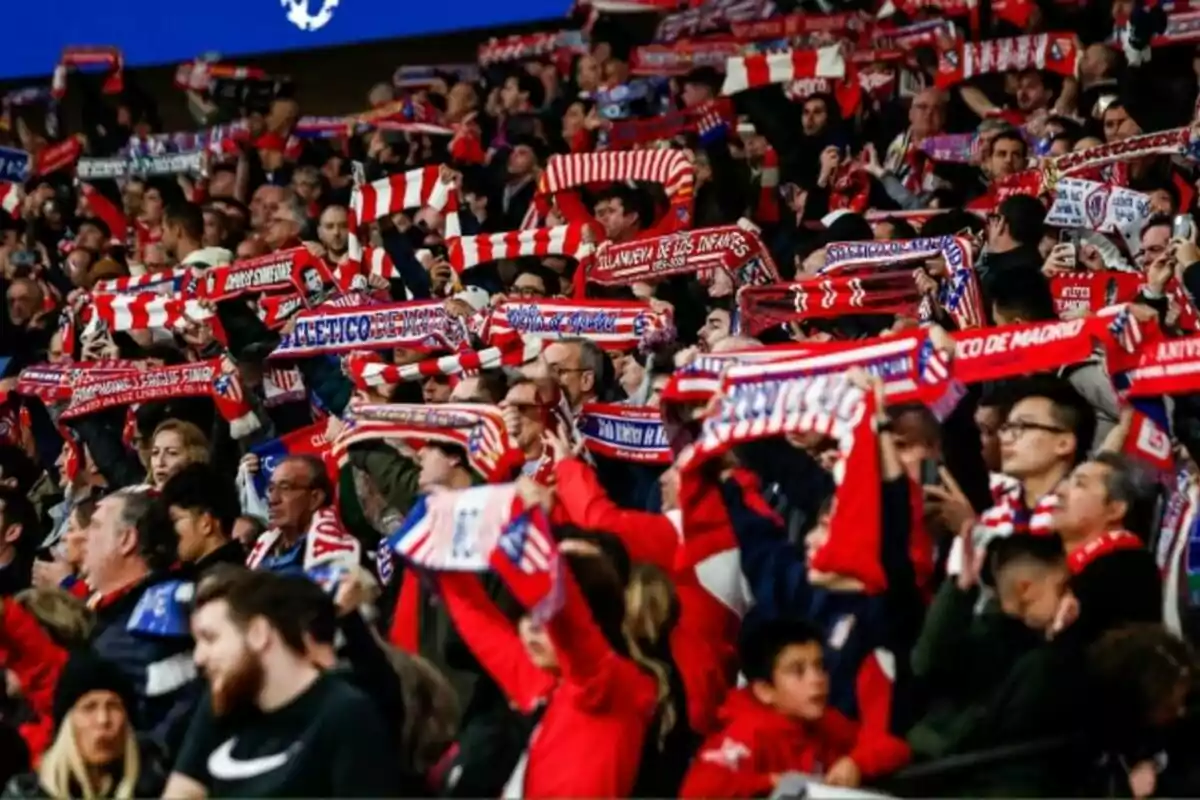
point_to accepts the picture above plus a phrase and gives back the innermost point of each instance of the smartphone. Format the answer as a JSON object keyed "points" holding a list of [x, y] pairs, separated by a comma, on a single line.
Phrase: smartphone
{"points": [[1068, 244], [931, 472], [1182, 226]]}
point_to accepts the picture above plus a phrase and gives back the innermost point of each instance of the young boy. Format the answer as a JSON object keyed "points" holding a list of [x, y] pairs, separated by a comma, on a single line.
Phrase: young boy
{"points": [[780, 723]]}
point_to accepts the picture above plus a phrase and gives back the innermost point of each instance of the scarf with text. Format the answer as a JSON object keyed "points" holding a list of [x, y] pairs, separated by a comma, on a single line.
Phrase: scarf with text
{"points": [[701, 18], [326, 545], [1099, 546], [89, 58], [1089, 163], [423, 325], [764, 69], [704, 119], [1051, 52], [671, 168], [416, 188], [758, 404], [730, 247], [54, 383], [680, 58], [1100, 207], [958, 292], [625, 433], [270, 273], [143, 166], [1092, 291], [197, 75], [572, 241], [60, 155], [763, 307], [478, 429], [368, 372], [612, 324], [216, 378]]}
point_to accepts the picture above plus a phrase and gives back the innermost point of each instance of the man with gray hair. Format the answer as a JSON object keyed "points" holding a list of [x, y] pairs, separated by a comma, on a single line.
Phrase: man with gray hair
{"points": [[582, 371], [141, 611], [286, 224]]}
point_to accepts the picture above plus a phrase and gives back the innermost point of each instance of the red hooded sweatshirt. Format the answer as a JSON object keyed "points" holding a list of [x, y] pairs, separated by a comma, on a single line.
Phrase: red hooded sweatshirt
{"points": [[702, 563], [758, 743], [589, 740], [36, 660]]}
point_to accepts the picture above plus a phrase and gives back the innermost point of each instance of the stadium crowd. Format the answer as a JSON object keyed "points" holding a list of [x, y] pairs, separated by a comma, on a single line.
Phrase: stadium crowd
{"points": [[717, 399]]}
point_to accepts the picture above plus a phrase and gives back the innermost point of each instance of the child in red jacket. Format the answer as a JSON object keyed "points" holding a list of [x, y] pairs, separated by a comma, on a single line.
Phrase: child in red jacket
{"points": [[780, 723]]}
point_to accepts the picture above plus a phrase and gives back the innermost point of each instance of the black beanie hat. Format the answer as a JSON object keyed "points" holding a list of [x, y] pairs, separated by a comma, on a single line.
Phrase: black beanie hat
{"points": [[87, 672]]}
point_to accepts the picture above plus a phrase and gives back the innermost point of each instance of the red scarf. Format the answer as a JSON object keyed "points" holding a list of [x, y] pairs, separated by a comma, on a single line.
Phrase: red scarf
{"points": [[1051, 52], [75, 57], [1099, 546]]}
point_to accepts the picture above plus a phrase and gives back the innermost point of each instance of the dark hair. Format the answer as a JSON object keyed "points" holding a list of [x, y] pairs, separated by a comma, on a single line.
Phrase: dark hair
{"points": [[318, 476], [951, 222], [631, 200], [493, 385], [1025, 216], [547, 276], [1021, 548], [1013, 136], [528, 84], [1069, 409], [1161, 185], [929, 429], [1158, 220], [99, 225], [763, 640], [901, 228], [19, 510], [1024, 293], [15, 463], [292, 604], [1137, 668], [203, 489], [604, 592], [188, 217], [142, 510], [1119, 484], [607, 543]]}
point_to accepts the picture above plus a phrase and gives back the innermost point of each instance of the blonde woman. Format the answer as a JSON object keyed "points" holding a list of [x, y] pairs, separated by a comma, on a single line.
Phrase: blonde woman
{"points": [[94, 753], [175, 444]]}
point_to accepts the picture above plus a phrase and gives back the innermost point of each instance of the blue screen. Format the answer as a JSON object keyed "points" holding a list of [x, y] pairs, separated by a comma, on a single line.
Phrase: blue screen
{"points": [[152, 32]]}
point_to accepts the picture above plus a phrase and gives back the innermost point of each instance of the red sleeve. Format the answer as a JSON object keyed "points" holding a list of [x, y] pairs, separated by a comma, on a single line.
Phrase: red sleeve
{"points": [[876, 750], [571, 206], [724, 767], [493, 640], [648, 537], [34, 658]]}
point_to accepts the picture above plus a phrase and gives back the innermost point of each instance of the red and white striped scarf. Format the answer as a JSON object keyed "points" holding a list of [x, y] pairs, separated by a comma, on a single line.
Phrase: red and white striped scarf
{"points": [[54, 383], [478, 429], [147, 310], [1010, 514], [612, 324], [764, 69], [216, 378], [197, 75], [1173, 142], [671, 168], [573, 241], [74, 57], [11, 195], [368, 372], [1052, 52], [328, 329], [625, 433], [164, 282], [417, 188]]}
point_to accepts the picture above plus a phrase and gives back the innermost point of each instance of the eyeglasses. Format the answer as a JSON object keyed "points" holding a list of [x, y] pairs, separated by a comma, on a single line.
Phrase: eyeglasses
{"points": [[557, 370], [1017, 429], [528, 291], [286, 488]]}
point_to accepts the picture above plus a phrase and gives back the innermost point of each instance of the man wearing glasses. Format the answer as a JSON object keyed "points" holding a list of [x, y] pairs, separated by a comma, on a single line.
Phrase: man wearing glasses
{"points": [[298, 489]]}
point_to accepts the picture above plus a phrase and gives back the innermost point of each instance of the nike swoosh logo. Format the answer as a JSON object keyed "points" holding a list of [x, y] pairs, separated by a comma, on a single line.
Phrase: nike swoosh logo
{"points": [[223, 766]]}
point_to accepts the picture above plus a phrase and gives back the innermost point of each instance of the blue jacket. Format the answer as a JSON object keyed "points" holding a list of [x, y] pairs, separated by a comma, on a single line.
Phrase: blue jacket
{"points": [[854, 624], [144, 631]]}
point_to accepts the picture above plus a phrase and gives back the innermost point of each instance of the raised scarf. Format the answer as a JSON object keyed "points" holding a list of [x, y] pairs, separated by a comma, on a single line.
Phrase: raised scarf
{"points": [[670, 168], [74, 58], [197, 75], [625, 433], [1092, 291], [282, 269], [216, 378], [146, 310], [573, 241], [757, 404], [1051, 52], [116, 167], [764, 69], [709, 16], [478, 429], [890, 292], [368, 372], [958, 293], [730, 247], [703, 119], [416, 188], [679, 58], [54, 383], [60, 155], [612, 324], [11, 195], [1100, 207], [422, 324]]}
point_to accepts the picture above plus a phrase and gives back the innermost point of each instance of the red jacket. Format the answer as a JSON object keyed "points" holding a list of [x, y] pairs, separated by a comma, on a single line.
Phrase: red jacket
{"points": [[758, 743], [36, 660], [589, 740], [703, 644]]}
